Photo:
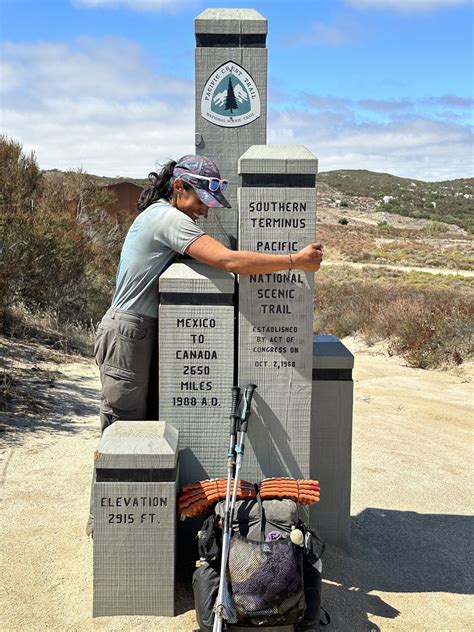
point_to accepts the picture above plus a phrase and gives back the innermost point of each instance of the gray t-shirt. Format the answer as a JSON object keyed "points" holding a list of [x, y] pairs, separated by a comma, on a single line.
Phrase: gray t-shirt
{"points": [[154, 238]]}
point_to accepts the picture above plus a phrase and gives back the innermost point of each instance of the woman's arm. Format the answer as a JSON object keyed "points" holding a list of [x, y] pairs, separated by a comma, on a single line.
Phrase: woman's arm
{"points": [[208, 250]]}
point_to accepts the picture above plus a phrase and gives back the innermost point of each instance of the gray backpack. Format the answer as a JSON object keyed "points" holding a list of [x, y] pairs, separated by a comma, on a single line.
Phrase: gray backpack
{"points": [[272, 582]]}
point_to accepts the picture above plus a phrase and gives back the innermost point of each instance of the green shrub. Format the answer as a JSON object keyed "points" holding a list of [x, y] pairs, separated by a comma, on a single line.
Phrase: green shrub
{"points": [[343, 221], [59, 247], [449, 195], [436, 227], [426, 325]]}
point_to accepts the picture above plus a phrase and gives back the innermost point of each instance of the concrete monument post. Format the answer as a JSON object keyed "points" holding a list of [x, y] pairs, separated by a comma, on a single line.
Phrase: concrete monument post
{"points": [[135, 519], [277, 214], [196, 362], [231, 99]]}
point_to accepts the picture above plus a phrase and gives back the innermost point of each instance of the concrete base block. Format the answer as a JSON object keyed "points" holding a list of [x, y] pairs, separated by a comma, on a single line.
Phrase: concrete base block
{"points": [[331, 438], [134, 549], [134, 493]]}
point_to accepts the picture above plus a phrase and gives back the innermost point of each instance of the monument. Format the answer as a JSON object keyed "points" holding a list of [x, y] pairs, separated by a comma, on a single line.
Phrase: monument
{"points": [[262, 330], [331, 438], [231, 99], [216, 331]]}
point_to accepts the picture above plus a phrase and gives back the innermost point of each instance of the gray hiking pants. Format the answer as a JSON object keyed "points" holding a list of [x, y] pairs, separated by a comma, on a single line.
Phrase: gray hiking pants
{"points": [[126, 354]]}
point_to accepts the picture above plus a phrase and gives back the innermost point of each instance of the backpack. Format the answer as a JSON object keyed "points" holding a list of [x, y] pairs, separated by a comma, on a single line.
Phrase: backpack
{"points": [[255, 599]]}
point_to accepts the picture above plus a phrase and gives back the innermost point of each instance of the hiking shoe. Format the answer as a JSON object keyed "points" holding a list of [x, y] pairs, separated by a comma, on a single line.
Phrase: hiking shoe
{"points": [[90, 527]]}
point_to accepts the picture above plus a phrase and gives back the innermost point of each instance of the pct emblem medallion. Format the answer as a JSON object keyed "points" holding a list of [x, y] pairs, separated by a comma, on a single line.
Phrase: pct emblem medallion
{"points": [[230, 97]]}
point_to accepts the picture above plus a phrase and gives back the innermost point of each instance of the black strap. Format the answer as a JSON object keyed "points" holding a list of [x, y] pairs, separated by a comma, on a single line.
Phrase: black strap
{"points": [[328, 618], [262, 513]]}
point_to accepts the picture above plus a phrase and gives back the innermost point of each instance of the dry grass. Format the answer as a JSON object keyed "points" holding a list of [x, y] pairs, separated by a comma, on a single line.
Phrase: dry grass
{"points": [[22, 388], [62, 339], [385, 244], [426, 319], [32, 349]]}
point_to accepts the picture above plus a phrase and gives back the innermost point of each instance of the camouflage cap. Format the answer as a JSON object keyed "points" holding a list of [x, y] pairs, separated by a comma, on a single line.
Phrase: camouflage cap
{"points": [[190, 165]]}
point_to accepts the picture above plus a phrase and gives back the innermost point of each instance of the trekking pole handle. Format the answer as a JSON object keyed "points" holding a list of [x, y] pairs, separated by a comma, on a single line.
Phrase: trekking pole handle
{"points": [[248, 394], [248, 391], [235, 399], [233, 408]]}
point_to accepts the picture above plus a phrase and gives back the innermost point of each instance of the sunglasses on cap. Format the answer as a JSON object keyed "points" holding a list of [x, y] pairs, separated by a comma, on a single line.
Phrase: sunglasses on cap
{"points": [[214, 183]]}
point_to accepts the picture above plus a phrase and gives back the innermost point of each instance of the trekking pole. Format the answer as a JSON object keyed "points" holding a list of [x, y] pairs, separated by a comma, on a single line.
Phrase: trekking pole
{"points": [[229, 513], [230, 474], [240, 447]]}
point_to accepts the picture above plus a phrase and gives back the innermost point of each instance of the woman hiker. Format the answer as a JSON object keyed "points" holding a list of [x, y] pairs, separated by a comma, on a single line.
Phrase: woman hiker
{"points": [[126, 342]]}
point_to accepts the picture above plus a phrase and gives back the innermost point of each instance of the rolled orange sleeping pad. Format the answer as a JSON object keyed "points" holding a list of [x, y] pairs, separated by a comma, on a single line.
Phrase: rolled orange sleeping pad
{"points": [[213, 487], [301, 491], [195, 498], [188, 500], [213, 482]]}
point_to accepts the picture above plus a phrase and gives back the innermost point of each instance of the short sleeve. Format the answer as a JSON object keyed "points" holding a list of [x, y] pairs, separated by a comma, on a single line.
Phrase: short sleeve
{"points": [[177, 231]]}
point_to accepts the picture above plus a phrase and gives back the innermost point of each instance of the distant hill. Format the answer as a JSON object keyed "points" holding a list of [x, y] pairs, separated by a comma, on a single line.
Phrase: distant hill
{"points": [[449, 201], [105, 179]]}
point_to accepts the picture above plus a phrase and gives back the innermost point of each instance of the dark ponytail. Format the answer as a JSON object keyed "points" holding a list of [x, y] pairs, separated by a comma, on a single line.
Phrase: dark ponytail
{"points": [[160, 187]]}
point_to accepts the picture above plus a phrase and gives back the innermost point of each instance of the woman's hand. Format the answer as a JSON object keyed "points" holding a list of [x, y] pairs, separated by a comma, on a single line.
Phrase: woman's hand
{"points": [[208, 250], [309, 258]]}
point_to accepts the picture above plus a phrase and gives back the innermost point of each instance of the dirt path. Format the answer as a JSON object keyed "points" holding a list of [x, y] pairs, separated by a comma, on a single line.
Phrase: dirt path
{"points": [[408, 569], [360, 266]]}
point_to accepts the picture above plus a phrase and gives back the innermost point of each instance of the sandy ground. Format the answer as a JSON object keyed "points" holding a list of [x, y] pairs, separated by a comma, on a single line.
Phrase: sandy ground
{"points": [[362, 266], [412, 460]]}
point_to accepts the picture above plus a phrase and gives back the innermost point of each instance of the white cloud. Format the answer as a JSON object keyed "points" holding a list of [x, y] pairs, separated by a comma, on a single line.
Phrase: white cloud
{"points": [[405, 5], [337, 103], [325, 102], [97, 106], [389, 107], [341, 31], [137, 5], [414, 147], [10, 77], [100, 106], [453, 101], [381, 105], [103, 137], [112, 67], [57, 68]]}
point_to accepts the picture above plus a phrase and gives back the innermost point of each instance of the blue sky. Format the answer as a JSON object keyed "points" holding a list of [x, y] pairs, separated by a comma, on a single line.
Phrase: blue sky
{"points": [[108, 85]]}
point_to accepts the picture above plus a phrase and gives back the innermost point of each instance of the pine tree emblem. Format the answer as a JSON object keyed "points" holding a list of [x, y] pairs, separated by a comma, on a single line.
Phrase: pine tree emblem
{"points": [[230, 97], [230, 100]]}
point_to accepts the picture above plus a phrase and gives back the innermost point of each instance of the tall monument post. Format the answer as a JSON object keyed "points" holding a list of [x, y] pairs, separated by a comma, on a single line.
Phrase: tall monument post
{"points": [[277, 215], [196, 363], [231, 99]]}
